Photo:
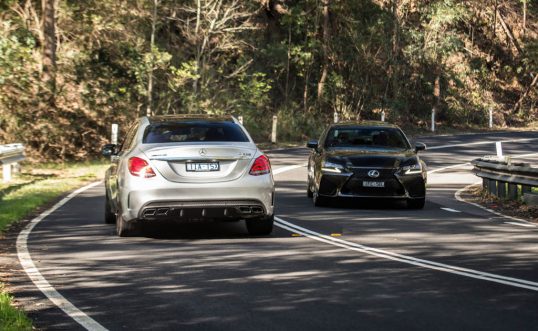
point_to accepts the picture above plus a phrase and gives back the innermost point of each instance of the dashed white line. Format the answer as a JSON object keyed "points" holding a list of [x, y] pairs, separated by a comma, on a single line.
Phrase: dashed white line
{"points": [[527, 225], [39, 280], [451, 210]]}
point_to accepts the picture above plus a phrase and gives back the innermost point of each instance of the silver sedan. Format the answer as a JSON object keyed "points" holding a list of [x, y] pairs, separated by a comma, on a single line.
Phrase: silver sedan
{"points": [[188, 168]]}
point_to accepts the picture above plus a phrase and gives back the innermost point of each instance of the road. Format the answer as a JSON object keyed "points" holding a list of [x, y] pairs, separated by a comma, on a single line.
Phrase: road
{"points": [[354, 266]]}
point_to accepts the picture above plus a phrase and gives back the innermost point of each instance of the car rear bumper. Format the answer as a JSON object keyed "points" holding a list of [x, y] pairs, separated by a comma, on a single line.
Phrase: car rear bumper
{"points": [[246, 199]]}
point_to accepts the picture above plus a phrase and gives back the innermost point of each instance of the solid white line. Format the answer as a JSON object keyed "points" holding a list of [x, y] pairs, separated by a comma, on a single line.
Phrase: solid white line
{"points": [[521, 224], [458, 197], [482, 143], [37, 278], [451, 210], [288, 168], [521, 283]]}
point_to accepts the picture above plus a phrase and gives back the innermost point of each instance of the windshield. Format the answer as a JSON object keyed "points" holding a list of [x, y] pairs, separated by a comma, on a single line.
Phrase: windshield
{"points": [[369, 137], [195, 131]]}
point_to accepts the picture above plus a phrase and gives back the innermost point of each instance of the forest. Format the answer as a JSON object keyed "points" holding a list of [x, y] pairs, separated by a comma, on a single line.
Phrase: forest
{"points": [[70, 68]]}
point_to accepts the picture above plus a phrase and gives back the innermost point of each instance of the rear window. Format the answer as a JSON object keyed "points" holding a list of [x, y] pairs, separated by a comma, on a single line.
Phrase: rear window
{"points": [[366, 137], [193, 132]]}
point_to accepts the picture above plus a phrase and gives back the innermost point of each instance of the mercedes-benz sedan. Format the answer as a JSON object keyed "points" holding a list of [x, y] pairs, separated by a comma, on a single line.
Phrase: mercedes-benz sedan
{"points": [[188, 168], [366, 160]]}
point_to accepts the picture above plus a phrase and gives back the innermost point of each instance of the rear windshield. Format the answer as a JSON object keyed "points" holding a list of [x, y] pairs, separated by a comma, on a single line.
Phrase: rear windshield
{"points": [[193, 132], [361, 137]]}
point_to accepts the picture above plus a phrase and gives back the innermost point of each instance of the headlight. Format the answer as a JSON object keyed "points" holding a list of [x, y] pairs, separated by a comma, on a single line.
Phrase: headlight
{"points": [[411, 169], [332, 167]]}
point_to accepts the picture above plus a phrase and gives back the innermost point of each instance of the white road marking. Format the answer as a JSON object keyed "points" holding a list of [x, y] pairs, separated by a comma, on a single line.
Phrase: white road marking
{"points": [[451, 210], [37, 278], [515, 282], [483, 143], [521, 224], [458, 197], [90, 324], [288, 168]]}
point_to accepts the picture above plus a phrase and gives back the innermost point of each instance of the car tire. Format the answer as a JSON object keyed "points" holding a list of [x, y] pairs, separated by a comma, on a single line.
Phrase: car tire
{"points": [[416, 203], [124, 228], [262, 226], [110, 217], [309, 192], [319, 201]]}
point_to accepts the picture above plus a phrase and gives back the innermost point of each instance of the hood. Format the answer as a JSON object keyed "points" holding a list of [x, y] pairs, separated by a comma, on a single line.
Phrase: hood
{"points": [[371, 158]]}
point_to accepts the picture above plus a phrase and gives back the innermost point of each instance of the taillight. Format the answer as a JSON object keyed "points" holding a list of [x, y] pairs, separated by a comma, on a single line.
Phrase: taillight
{"points": [[140, 168], [261, 166]]}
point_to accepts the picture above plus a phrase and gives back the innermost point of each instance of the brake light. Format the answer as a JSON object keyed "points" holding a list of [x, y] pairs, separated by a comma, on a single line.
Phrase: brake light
{"points": [[261, 166], [140, 168]]}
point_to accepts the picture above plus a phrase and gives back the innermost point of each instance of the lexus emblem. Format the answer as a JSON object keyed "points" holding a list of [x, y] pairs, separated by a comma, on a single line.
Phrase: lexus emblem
{"points": [[202, 152], [373, 173]]}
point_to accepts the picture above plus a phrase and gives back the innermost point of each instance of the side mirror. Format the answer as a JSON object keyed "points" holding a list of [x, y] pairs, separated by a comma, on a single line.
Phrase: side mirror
{"points": [[312, 144], [420, 147], [109, 150]]}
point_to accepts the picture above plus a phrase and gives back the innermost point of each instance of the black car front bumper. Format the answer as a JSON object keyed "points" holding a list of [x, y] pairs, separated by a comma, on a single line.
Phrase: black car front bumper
{"points": [[351, 184]]}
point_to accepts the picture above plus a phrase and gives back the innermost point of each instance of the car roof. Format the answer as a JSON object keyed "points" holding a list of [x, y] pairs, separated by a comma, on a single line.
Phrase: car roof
{"points": [[190, 118], [364, 124]]}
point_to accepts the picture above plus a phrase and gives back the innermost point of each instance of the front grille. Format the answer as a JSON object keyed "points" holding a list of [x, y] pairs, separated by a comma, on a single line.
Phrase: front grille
{"points": [[354, 186]]}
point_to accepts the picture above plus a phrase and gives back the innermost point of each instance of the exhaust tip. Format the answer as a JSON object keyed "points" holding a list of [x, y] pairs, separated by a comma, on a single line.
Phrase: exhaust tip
{"points": [[150, 212], [162, 211]]}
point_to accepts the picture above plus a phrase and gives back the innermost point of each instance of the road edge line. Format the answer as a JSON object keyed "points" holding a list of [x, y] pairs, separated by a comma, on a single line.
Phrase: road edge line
{"points": [[458, 197], [39, 280]]}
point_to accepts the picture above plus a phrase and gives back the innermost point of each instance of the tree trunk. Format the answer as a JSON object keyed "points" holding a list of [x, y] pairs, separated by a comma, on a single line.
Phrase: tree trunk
{"points": [[152, 45], [395, 50], [326, 39], [49, 44], [519, 103], [524, 17], [508, 31]]}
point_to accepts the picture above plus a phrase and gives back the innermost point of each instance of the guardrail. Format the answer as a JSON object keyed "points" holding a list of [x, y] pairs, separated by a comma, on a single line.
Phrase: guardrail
{"points": [[507, 179], [10, 155]]}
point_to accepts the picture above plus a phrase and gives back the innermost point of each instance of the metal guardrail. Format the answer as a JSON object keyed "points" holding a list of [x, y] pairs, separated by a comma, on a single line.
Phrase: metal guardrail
{"points": [[10, 155], [502, 178]]}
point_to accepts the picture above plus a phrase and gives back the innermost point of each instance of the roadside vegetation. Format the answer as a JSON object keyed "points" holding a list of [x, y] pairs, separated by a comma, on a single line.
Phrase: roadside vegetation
{"points": [[68, 69], [12, 319], [39, 184]]}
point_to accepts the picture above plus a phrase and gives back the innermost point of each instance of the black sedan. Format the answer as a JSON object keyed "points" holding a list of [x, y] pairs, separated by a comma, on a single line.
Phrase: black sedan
{"points": [[366, 160]]}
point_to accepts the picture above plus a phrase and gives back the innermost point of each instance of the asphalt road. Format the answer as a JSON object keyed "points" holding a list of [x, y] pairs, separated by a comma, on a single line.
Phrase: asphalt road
{"points": [[355, 266]]}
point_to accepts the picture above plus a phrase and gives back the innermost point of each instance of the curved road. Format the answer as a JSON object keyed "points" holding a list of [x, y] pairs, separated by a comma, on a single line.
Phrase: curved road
{"points": [[356, 265]]}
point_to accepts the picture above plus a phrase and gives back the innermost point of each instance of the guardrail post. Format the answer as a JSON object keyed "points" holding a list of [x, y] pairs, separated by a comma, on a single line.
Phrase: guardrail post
{"points": [[512, 191], [6, 173], [240, 119], [433, 119], [383, 116], [492, 187], [491, 118], [336, 117], [501, 190], [114, 135], [273, 134], [525, 189]]}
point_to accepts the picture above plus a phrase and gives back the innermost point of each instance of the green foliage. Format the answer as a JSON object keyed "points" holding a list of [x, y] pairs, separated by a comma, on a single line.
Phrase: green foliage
{"points": [[12, 319], [257, 61]]}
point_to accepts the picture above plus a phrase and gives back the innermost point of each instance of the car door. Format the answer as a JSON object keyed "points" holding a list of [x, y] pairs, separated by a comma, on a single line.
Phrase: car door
{"points": [[114, 170]]}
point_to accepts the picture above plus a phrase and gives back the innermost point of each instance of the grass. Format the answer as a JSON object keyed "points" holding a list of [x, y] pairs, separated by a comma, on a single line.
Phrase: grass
{"points": [[39, 185], [12, 319], [36, 186]]}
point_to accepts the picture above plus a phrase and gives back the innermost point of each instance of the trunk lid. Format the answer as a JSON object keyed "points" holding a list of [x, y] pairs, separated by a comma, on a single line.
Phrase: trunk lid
{"points": [[172, 160]]}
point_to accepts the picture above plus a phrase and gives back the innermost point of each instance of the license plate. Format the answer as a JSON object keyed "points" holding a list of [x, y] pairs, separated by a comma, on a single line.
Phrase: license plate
{"points": [[203, 167], [373, 184]]}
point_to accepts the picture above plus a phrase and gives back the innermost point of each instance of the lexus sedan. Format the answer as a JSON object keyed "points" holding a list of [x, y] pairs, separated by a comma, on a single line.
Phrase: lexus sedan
{"points": [[366, 160], [191, 168]]}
